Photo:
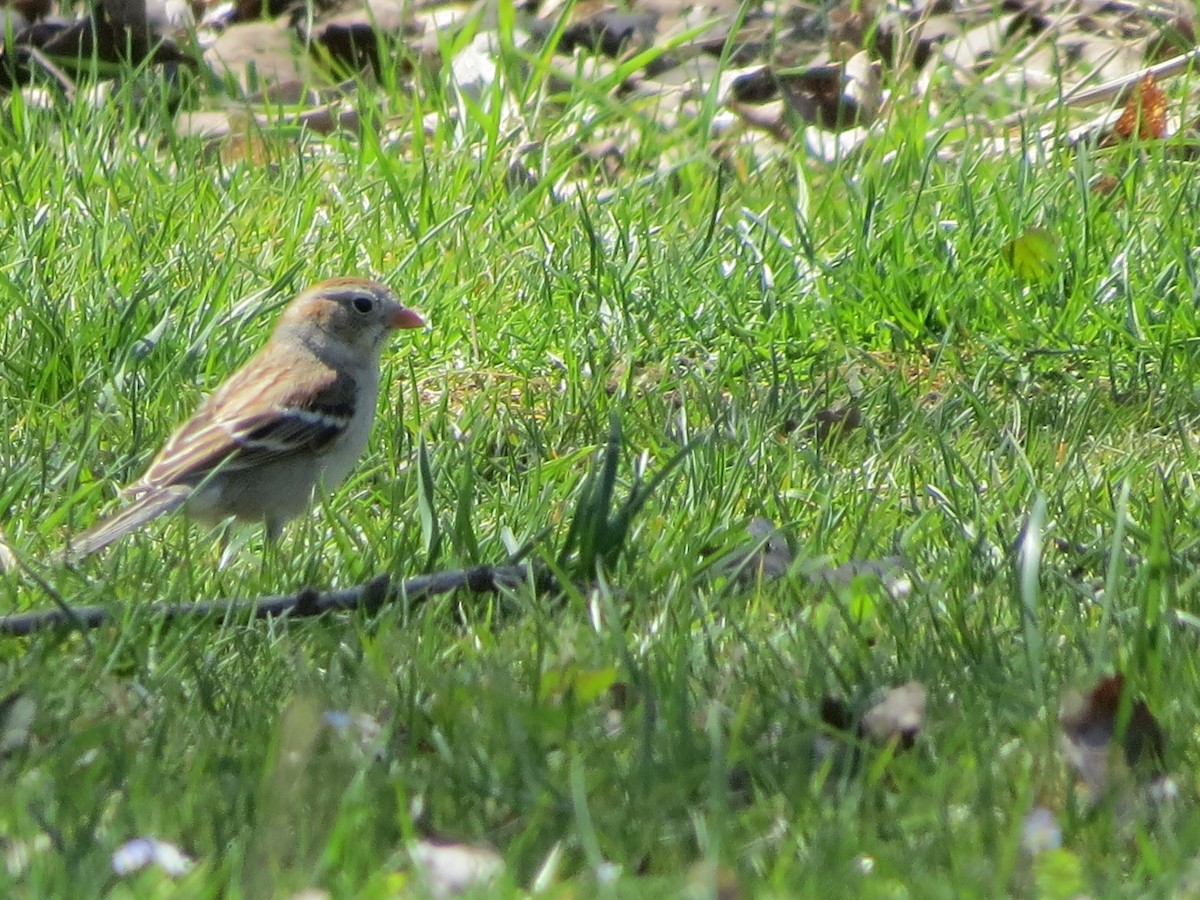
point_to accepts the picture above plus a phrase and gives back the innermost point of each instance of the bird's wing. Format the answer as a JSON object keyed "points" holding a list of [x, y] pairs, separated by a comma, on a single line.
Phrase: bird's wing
{"points": [[256, 417]]}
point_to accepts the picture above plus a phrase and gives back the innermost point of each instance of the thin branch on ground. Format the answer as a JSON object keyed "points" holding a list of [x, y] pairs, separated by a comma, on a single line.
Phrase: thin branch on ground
{"points": [[368, 597], [65, 611]]}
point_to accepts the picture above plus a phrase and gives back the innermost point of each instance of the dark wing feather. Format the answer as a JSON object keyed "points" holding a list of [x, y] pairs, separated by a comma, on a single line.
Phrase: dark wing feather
{"points": [[249, 421]]}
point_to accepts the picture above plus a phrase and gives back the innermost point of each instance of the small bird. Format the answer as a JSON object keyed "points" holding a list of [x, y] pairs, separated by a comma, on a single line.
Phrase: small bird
{"points": [[296, 415]]}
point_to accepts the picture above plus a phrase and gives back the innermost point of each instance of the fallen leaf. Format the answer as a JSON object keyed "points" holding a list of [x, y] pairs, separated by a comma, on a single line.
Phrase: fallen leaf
{"points": [[1035, 256], [1145, 115]]}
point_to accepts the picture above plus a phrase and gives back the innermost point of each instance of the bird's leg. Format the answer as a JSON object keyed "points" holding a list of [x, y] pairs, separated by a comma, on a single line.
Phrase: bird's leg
{"points": [[272, 531]]}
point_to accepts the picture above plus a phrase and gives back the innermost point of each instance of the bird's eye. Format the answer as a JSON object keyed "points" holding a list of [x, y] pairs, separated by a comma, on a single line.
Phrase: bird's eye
{"points": [[364, 304]]}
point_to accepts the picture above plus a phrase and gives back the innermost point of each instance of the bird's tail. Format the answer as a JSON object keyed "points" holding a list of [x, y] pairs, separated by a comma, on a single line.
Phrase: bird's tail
{"points": [[150, 505]]}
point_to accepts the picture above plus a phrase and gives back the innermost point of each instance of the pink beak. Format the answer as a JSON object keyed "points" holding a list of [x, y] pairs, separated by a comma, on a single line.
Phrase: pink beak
{"points": [[405, 318]]}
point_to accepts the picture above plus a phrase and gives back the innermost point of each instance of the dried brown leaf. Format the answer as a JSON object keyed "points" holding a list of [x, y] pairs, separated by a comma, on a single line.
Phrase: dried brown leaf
{"points": [[1145, 115]]}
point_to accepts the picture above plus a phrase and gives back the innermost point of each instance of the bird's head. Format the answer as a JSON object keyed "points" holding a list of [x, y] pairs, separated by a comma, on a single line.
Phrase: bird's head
{"points": [[355, 312]]}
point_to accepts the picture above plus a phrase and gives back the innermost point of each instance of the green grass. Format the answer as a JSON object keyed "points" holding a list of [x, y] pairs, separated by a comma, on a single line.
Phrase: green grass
{"points": [[700, 310]]}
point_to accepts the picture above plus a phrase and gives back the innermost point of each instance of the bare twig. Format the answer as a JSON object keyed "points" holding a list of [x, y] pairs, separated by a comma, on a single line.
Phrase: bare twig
{"points": [[1077, 96], [65, 611], [368, 597], [1118, 88]]}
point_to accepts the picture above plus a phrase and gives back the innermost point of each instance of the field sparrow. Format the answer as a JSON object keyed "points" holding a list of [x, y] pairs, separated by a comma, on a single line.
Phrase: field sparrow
{"points": [[296, 415]]}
